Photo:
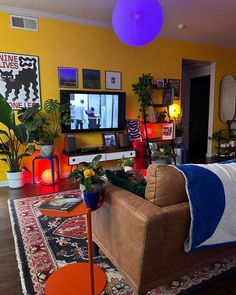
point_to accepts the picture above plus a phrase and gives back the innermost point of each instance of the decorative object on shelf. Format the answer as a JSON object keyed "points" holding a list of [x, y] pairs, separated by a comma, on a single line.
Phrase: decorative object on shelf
{"points": [[113, 80], [70, 143], [124, 141], [175, 84], [133, 128], [232, 128], [89, 176], [20, 83], [12, 139], [168, 131], [126, 163], [45, 126], [68, 77], [168, 96], [109, 140], [138, 22], [227, 98], [91, 79]]}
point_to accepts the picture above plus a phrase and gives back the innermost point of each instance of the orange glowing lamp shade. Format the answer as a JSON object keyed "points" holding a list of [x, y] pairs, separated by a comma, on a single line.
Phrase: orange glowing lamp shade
{"points": [[174, 110], [46, 177]]}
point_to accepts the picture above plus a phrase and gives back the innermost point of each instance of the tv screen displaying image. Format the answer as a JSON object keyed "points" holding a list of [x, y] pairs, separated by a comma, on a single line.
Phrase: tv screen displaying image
{"points": [[94, 111]]}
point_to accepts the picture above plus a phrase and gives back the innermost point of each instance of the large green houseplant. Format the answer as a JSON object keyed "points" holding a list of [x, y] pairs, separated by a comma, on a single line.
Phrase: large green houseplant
{"points": [[13, 140], [144, 89], [45, 126]]}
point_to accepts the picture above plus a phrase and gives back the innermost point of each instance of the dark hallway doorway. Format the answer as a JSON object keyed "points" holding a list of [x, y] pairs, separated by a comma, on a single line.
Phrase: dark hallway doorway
{"points": [[198, 118]]}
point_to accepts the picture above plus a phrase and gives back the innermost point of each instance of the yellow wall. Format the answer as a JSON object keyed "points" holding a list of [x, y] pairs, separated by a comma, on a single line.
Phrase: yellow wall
{"points": [[71, 45]]}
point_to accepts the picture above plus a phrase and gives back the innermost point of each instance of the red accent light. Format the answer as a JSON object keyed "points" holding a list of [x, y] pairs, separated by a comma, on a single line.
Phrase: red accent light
{"points": [[154, 130], [46, 177]]}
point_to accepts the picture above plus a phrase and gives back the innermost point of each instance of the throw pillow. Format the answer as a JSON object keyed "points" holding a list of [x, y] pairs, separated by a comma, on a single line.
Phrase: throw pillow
{"points": [[126, 184]]}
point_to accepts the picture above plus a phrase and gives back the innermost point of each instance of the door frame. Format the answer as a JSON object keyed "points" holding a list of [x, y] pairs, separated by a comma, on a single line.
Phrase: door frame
{"points": [[187, 74]]}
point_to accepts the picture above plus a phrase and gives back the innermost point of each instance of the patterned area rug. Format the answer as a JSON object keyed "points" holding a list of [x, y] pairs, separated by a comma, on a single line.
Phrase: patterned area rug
{"points": [[44, 244]]}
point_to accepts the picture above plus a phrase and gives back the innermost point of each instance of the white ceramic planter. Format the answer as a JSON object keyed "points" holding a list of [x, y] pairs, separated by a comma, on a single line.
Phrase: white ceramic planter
{"points": [[16, 179], [127, 168], [46, 150]]}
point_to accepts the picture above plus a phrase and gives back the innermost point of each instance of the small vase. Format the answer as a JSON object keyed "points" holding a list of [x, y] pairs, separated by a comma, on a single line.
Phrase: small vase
{"points": [[91, 199]]}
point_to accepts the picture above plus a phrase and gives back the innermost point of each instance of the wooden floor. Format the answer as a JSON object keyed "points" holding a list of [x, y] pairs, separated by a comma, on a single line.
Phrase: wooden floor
{"points": [[9, 273]]}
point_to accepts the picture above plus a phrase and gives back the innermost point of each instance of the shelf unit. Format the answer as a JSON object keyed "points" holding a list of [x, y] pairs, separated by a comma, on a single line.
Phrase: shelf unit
{"points": [[226, 144]]}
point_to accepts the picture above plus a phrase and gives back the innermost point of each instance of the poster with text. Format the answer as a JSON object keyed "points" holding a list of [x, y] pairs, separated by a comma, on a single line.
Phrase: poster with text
{"points": [[19, 79]]}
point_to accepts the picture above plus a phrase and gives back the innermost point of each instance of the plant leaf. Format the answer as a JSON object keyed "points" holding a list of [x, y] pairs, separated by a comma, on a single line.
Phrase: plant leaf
{"points": [[21, 133], [7, 116]]}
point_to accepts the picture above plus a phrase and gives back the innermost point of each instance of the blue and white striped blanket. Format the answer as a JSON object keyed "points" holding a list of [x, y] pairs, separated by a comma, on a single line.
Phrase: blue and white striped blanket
{"points": [[211, 189]]}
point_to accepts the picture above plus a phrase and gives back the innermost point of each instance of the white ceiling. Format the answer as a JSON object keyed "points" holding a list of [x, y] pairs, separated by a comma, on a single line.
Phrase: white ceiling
{"points": [[207, 21]]}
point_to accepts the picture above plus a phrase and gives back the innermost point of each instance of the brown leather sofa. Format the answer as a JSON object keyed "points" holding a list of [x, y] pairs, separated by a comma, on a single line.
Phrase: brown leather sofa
{"points": [[144, 238]]}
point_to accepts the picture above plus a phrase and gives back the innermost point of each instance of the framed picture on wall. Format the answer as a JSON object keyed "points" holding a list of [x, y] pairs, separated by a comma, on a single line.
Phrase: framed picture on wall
{"points": [[175, 83], [20, 79], [109, 140], [113, 80], [67, 77], [91, 79]]}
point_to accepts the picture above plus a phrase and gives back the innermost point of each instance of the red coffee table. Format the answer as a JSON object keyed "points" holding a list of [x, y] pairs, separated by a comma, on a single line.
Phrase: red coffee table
{"points": [[76, 278]]}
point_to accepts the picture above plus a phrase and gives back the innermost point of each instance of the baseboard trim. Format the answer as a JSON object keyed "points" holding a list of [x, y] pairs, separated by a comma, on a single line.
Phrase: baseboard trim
{"points": [[3, 183]]}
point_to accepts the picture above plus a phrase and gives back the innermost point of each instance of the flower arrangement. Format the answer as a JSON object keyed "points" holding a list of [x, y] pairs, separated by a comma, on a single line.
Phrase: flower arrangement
{"points": [[89, 175]]}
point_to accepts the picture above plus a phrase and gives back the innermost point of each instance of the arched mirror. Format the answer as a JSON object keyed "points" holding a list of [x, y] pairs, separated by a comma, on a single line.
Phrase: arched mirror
{"points": [[227, 98]]}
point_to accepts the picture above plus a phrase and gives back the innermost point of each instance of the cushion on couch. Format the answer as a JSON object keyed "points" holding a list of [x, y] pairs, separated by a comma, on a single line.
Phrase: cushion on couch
{"points": [[126, 184], [165, 185]]}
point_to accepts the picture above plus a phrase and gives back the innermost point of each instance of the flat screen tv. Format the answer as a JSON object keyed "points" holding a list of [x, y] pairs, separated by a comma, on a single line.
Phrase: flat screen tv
{"points": [[93, 111]]}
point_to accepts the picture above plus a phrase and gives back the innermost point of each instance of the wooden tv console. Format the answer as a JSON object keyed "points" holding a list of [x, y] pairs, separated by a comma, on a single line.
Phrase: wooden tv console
{"points": [[74, 158]]}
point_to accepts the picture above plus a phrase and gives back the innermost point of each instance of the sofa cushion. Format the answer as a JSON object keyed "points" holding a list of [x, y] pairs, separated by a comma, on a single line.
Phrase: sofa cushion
{"points": [[165, 185], [137, 189]]}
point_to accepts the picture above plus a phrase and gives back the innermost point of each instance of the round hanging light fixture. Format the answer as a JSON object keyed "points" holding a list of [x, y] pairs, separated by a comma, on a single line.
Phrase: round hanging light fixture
{"points": [[137, 22]]}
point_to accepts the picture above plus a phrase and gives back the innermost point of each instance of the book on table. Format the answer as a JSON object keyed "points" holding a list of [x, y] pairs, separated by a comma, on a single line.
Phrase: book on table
{"points": [[64, 202]]}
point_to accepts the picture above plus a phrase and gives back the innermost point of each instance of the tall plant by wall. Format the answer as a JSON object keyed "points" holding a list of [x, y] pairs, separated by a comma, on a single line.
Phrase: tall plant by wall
{"points": [[144, 90]]}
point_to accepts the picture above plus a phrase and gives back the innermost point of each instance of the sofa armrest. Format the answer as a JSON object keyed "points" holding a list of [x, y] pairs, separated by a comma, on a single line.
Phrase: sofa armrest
{"points": [[131, 232]]}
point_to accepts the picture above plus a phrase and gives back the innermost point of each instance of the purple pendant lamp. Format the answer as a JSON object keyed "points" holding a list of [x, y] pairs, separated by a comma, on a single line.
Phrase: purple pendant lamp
{"points": [[137, 22]]}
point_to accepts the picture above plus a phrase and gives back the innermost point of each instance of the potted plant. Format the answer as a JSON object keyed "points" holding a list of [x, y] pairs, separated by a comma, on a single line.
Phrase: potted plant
{"points": [[88, 175], [162, 154], [126, 163], [13, 138], [45, 126], [144, 89]]}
